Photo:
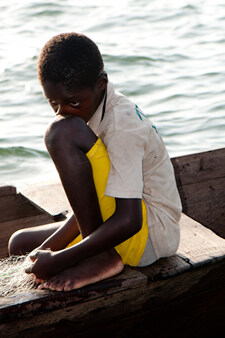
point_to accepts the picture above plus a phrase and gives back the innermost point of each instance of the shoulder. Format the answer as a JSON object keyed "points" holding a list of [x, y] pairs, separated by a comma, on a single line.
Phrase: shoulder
{"points": [[122, 114]]}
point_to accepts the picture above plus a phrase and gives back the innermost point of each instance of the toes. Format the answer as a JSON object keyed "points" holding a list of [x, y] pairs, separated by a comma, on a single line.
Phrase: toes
{"points": [[77, 283], [39, 281], [54, 284], [74, 283], [59, 286], [70, 286]]}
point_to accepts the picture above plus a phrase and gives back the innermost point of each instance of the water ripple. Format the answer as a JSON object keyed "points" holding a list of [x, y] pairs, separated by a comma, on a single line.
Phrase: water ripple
{"points": [[167, 56], [22, 152]]}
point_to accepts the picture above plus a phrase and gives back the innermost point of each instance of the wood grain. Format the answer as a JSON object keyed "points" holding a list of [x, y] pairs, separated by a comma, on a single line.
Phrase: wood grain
{"points": [[205, 202], [51, 197], [7, 190], [199, 245], [201, 183], [8, 228], [199, 167], [17, 212]]}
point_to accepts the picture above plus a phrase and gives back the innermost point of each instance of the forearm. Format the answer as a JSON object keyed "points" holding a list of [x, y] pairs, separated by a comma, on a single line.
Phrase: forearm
{"points": [[63, 236]]}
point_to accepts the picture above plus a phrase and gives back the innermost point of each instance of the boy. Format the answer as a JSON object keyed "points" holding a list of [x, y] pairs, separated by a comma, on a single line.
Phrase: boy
{"points": [[115, 171]]}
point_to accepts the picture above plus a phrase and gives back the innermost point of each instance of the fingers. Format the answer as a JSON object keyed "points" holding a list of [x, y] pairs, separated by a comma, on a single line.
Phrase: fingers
{"points": [[33, 257], [29, 269], [39, 281], [40, 263]]}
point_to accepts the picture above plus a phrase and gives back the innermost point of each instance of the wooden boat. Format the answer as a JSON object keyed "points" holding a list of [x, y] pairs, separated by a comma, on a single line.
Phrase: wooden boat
{"points": [[183, 295]]}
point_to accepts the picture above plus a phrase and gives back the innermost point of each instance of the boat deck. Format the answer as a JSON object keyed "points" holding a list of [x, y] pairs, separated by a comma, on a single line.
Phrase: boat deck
{"points": [[182, 295]]}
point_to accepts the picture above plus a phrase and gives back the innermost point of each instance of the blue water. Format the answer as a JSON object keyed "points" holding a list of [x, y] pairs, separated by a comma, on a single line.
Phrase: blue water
{"points": [[168, 56]]}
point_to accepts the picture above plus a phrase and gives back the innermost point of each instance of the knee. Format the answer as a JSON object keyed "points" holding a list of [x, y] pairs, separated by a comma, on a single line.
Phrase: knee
{"points": [[55, 133], [18, 244], [71, 131]]}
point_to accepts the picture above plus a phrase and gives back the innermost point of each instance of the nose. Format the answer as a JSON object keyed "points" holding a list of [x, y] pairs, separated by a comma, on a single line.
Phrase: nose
{"points": [[61, 110]]}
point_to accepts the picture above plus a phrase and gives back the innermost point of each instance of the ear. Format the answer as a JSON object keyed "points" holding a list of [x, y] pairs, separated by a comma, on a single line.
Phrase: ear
{"points": [[102, 81]]}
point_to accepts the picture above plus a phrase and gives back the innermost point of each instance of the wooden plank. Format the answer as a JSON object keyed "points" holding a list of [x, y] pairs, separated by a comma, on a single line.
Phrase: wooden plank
{"points": [[7, 190], [129, 292], [205, 202], [128, 279], [16, 207], [165, 268], [148, 307], [197, 311], [199, 245], [201, 184], [49, 196], [8, 228], [40, 300], [199, 167]]}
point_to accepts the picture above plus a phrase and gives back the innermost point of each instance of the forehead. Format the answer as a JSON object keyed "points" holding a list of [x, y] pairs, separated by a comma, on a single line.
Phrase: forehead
{"points": [[58, 91]]}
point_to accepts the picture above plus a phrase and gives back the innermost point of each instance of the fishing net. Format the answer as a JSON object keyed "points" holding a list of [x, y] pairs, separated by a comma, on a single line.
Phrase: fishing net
{"points": [[13, 278]]}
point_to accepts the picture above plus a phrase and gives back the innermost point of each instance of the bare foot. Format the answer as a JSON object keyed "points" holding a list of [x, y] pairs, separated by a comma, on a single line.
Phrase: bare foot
{"points": [[89, 271]]}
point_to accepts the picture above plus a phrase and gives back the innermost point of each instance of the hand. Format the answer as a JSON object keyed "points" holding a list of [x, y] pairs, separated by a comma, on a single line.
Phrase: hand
{"points": [[44, 264]]}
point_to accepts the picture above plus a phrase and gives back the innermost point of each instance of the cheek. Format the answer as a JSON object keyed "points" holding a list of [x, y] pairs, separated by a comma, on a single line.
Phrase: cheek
{"points": [[88, 108]]}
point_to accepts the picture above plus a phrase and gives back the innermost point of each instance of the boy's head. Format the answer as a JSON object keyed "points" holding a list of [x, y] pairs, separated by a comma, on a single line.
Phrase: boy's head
{"points": [[71, 59]]}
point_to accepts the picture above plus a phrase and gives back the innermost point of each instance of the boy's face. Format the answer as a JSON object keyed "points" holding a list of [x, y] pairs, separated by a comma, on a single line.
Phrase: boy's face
{"points": [[78, 102]]}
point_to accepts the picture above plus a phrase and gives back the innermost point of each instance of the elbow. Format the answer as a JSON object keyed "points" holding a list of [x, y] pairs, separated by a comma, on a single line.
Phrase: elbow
{"points": [[137, 224], [133, 224], [129, 213]]}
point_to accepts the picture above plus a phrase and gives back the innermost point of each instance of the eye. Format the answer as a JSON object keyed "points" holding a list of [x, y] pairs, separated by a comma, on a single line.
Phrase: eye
{"points": [[75, 104], [52, 103]]}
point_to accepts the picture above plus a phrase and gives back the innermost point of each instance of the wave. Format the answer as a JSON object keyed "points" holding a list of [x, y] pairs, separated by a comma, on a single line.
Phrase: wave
{"points": [[22, 152]]}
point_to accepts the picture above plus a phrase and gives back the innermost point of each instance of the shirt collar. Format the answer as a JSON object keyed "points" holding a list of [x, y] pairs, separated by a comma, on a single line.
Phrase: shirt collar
{"points": [[95, 120]]}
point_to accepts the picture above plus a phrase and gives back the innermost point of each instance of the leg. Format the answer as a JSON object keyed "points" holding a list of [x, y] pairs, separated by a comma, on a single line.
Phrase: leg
{"points": [[25, 240], [68, 140]]}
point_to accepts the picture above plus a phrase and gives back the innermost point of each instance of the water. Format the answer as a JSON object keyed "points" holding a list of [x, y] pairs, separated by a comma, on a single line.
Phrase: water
{"points": [[168, 56]]}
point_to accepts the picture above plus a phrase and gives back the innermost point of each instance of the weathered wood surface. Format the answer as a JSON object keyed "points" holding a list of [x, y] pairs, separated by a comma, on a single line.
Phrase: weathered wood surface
{"points": [[199, 167], [183, 291], [201, 184], [158, 309], [146, 290], [7, 190], [14, 205], [49, 196], [8, 228], [205, 202], [16, 212], [198, 246], [35, 306]]}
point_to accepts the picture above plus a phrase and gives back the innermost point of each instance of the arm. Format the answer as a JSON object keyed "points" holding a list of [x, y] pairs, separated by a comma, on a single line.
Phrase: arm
{"points": [[63, 236], [124, 223]]}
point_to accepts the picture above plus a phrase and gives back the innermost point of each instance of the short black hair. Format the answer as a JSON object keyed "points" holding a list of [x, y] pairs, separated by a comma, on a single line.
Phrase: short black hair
{"points": [[72, 59]]}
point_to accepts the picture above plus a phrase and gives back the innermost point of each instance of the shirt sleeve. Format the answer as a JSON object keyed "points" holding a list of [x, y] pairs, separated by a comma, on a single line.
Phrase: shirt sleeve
{"points": [[126, 152]]}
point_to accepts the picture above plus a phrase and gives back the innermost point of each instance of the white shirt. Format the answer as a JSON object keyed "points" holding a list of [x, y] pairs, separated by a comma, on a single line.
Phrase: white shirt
{"points": [[140, 167]]}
